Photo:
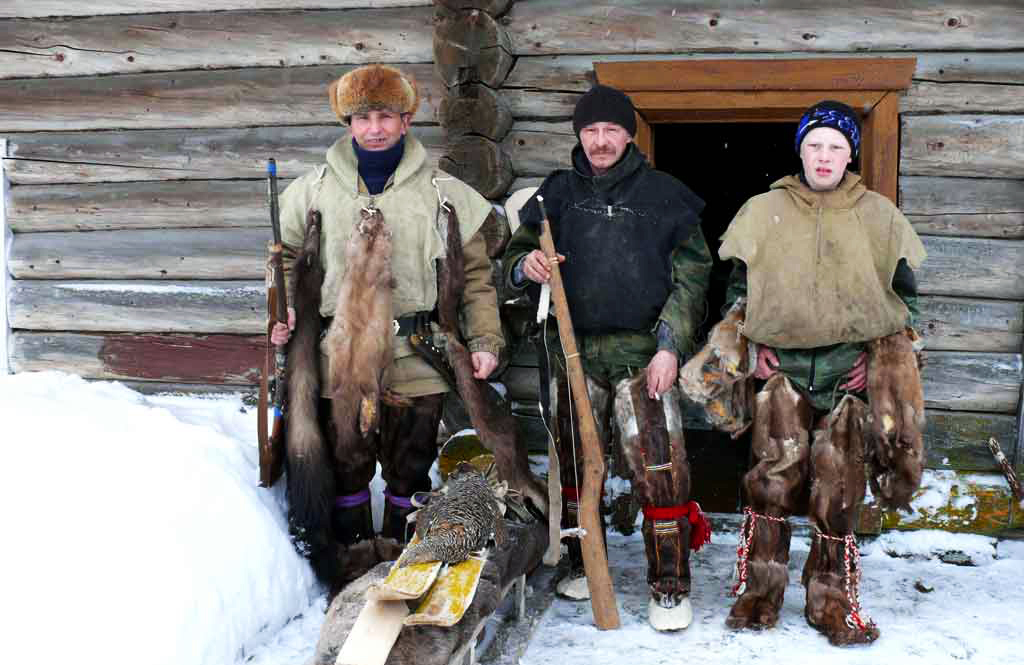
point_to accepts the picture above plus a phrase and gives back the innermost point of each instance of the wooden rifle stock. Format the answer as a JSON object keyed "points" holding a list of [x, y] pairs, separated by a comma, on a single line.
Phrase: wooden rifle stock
{"points": [[595, 561], [272, 391]]}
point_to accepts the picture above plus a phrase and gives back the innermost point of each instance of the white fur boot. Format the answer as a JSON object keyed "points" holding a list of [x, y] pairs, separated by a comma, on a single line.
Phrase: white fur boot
{"points": [[573, 587], [670, 618]]}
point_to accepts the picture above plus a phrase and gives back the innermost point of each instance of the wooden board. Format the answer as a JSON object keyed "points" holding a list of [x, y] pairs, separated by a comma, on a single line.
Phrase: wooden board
{"points": [[979, 146], [451, 595], [214, 40], [373, 634], [971, 267], [177, 154], [206, 359], [964, 206], [41, 8], [139, 306], [966, 324], [543, 27], [157, 254], [958, 439], [188, 99], [927, 97]]}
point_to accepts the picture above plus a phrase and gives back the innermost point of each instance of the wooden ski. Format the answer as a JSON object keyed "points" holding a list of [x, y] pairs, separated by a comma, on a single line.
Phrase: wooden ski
{"points": [[451, 595], [408, 582], [595, 561]]}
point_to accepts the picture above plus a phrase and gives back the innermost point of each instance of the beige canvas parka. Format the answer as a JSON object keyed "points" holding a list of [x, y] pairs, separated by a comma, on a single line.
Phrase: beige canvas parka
{"points": [[410, 204], [820, 264]]}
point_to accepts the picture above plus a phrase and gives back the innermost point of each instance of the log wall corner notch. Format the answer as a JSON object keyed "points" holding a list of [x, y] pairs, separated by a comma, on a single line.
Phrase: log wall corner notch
{"points": [[472, 57], [772, 90]]}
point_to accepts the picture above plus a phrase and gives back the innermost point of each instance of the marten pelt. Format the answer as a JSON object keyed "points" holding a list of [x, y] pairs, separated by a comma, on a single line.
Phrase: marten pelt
{"points": [[494, 424], [359, 339], [310, 480]]}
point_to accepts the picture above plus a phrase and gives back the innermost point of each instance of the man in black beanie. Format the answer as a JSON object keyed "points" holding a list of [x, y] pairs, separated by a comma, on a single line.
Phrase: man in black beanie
{"points": [[636, 270]]}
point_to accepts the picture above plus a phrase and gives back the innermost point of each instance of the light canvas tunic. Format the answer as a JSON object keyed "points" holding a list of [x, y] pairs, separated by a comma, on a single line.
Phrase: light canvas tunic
{"points": [[410, 205], [820, 264]]}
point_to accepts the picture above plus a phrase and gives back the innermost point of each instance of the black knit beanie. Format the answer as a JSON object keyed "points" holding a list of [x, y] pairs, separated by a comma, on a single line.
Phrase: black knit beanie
{"points": [[836, 115], [604, 104]]}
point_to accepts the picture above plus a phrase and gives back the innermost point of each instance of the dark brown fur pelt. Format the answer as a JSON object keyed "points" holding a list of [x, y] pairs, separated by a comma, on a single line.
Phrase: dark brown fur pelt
{"points": [[896, 422], [359, 339], [492, 420], [310, 479], [837, 468]]}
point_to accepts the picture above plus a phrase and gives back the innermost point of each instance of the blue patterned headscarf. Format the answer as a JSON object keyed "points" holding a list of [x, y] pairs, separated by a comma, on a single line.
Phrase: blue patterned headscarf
{"points": [[836, 115]]}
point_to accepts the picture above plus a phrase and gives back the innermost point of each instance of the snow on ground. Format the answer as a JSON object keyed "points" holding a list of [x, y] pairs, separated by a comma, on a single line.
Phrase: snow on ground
{"points": [[136, 533]]}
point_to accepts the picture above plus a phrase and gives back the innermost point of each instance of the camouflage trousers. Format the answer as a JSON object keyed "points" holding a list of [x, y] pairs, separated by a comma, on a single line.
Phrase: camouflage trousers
{"points": [[650, 435]]}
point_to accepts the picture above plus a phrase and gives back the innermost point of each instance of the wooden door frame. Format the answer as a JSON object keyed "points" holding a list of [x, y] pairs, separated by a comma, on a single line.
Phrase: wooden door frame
{"points": [[686, 91]]}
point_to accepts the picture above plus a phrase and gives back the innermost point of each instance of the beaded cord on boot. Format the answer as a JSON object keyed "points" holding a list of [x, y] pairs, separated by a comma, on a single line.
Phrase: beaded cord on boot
{"points": [[743, 550], [851, 558]]}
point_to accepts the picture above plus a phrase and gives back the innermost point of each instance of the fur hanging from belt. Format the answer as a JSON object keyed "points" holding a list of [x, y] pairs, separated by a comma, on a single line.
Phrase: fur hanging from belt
{"points": [[717, 377], [359, 338], [493, 421], [896, 421], [310, 479]]}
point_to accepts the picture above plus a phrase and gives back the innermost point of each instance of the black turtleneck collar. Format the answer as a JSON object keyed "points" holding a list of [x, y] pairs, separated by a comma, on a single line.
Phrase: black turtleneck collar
{"points": [[376, 166], [631, 160]]}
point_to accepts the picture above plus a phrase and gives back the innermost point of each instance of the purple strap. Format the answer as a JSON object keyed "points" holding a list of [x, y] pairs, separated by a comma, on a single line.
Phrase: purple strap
{"points": [[352, 500], [398, 501]]}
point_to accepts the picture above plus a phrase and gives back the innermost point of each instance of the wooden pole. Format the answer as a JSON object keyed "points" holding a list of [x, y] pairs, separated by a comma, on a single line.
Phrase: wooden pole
{"points": [[595, 562]]}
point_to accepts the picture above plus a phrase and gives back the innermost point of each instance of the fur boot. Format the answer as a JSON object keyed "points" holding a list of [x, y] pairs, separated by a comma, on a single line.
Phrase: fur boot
{"points": [[832, 604], [765, 561]]}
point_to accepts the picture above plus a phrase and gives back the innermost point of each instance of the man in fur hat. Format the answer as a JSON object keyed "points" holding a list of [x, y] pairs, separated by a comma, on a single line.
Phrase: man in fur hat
{"points": [[379, 166], [823, 268], [636, 269]]}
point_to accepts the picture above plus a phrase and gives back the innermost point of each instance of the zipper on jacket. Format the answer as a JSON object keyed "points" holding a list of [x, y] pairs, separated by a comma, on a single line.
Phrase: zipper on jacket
{"points": [[810, 378]]}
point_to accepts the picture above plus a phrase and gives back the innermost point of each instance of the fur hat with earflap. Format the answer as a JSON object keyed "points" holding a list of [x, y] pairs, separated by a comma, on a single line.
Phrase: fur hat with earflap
{"points": [[373, 88]]}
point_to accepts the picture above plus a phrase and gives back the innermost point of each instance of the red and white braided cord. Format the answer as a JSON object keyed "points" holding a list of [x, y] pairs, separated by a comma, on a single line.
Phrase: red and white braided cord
{"points": [[743, 550], [851, 557]]}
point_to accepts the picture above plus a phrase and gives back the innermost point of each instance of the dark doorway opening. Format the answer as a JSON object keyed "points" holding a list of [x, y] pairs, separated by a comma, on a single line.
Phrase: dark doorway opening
{"points": [[724, 164]]}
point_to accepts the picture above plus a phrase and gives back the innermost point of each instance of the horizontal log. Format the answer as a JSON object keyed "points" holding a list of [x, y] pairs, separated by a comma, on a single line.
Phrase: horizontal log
{"points": [[248, 393], [178, 154], [544, 27], [480, 163], [964, 206], [146, 205], [963, 324], [575, 73], [980, 505], [214, 40], [957, 439], [967, 381], [209, 359], [157, 254], [475, 109], [976, 146], [43, 8], [972, 267], [927, 97], [540, 148], [139, 306], [189, 99], [471, 47]]}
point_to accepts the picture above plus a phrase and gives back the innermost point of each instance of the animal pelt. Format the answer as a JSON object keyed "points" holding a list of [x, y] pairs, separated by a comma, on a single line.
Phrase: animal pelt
{"points": [[837, 468], [310, 487], [780, 445], [896, 420], [493, 421], [359, 339], [719, 375], [828, 604]]}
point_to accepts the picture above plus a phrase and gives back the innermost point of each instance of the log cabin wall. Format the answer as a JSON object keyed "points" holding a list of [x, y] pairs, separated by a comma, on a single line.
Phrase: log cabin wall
{"points": [[136, 151], [961, 179]]}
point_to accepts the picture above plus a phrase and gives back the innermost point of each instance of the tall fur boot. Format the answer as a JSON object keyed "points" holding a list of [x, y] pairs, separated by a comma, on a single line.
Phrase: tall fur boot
{"points": [[831, 576], [763, 572]]}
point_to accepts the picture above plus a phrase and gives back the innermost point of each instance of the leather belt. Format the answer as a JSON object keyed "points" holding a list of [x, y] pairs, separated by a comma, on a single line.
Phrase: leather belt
{"points": [[403, 326]]}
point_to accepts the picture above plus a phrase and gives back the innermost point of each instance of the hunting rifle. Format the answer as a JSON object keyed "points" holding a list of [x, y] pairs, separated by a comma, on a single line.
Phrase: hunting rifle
{"points": [[272, 386], [595, 561]]}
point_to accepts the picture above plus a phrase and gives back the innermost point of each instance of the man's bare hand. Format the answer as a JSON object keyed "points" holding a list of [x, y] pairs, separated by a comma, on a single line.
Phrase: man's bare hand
{"points": [[661, 373], [857, 377], [767, 362], [280, 333], [484, 363], [537, 268]]}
